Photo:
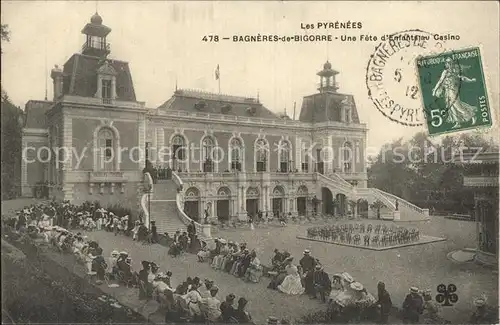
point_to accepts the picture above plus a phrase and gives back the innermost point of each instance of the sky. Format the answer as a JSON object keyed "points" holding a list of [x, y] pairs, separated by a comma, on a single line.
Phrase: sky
{"points": [[162, 41]]}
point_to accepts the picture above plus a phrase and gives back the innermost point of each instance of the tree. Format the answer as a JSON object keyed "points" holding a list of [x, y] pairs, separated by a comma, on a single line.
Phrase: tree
{"points": [[376, 206], [423, 171], [4, 33], [354, 205], [10, 139]]}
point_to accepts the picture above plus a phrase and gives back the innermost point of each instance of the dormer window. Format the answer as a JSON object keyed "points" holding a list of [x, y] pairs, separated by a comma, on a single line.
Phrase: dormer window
{"points": [[106, 88], [106, 83]]}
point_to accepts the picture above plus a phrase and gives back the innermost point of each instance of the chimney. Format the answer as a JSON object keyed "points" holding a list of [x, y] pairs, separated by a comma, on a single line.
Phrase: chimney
{"points": [[57, 76]]}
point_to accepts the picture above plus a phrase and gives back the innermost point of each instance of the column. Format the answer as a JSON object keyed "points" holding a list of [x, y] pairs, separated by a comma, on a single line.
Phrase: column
{"points": [[237, 208], [243, 213], [153, 149], [268, 199], [331, 155], [98, 94], [311, 160], [160, 143], [142, 141], [113, 87], [355, 157], [212, 210], [67, 140], [298, 153]]}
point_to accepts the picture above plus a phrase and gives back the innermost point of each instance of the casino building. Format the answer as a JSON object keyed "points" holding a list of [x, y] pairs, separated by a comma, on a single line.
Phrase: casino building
{"points": [[231, 156]]}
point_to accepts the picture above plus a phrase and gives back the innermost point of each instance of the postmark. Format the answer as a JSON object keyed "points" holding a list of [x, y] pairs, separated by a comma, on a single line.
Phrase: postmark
{"points": [[390, 75], [453, 91]]}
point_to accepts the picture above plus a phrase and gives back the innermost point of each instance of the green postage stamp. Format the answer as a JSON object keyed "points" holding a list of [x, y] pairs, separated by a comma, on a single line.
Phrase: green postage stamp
{"points": [[453, 91]]}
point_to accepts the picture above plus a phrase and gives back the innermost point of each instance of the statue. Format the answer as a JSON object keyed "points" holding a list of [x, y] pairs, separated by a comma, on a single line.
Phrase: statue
{"points": [[397, 205]]}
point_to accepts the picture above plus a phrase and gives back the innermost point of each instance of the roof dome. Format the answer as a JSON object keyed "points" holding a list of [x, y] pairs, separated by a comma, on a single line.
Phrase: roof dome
{"points": [[96, 19], [327, 65]]}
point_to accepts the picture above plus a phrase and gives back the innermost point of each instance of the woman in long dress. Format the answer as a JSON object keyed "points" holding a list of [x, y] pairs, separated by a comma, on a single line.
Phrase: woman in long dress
{"points": [[448, 87], [224, 250], [254, 271], [292, 285]]}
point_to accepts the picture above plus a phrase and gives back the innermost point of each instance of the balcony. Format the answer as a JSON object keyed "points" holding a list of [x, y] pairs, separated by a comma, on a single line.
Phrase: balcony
{"points": [[481, 181], [107, 177], [249, 176], [253, 121]]}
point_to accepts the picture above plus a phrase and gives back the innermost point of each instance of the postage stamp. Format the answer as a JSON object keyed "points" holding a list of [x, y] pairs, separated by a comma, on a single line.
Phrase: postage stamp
{"points": [[390, 74], [453, 91]]}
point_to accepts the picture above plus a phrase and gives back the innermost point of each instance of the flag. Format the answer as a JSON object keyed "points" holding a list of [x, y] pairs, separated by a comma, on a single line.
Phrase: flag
{"points": [[217, 73]]}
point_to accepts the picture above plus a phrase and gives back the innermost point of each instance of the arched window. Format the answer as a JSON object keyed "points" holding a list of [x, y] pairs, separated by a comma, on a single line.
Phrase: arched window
{"points": [[261, 152], [107, 155], [236, 153], [178, 152], [207, 154], [347, 157], [285, 159]]}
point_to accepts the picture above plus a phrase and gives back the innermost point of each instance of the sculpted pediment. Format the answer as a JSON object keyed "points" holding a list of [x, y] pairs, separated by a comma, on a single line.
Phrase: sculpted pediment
{"points": [[106, 69]]}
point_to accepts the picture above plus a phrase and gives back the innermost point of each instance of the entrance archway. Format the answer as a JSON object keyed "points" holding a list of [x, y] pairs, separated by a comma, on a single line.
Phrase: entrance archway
{"points": [[223, 204], [252, 203], [278, 200], [192, 203], [302, 193], [363, 208], [341, 204], [327, 199]]}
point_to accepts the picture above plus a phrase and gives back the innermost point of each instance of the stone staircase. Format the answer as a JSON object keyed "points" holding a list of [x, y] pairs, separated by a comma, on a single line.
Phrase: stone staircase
{"points": [[166, 216], [164, 208], [165, 190], [406, 211]]}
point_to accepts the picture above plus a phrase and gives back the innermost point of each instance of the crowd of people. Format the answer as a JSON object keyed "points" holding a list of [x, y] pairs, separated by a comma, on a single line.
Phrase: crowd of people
{"points": [[233, 258], [196, 300], [190, 301]]}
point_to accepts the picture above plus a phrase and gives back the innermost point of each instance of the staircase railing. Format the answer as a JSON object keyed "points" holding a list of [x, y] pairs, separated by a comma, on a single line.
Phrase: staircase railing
{"points": [[342, 185], [404, 204], [378, 194], [204, 230], [340, 179]]}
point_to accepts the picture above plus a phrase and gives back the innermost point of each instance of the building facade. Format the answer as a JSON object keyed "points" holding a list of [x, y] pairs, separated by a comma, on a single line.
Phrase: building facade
{"points": [[234, 155], [481, 174]]}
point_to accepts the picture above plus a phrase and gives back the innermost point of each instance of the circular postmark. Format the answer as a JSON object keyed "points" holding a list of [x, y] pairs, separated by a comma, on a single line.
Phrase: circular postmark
{"points": [[391, 75]]}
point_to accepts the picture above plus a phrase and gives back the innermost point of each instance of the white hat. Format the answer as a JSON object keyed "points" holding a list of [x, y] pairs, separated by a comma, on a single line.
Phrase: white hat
{"points": [[480, 301], [414, 289], [115, 252], [357, 286], [307, 251], [222, 241], [347, 277], [123, 253]]}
